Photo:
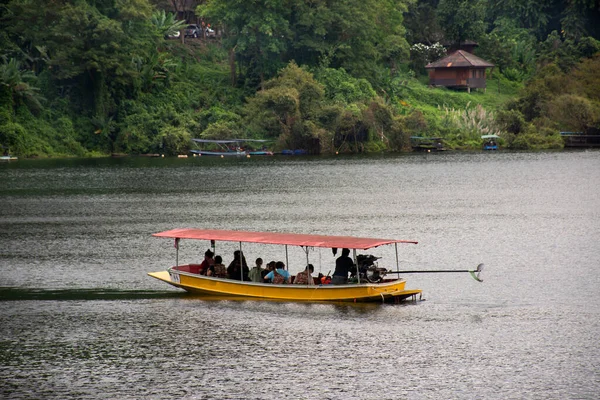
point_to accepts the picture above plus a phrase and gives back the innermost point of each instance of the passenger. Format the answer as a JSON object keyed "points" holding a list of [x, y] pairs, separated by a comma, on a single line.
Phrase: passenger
{"points": [[343, 266], [238, 268], [305, 277], [265, 272], [218, 270], [279, 275], [255, 273], [208, 261]]}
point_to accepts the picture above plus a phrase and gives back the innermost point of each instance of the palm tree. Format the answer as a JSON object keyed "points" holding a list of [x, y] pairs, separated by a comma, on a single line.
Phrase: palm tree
{"points": [[16, 81]]}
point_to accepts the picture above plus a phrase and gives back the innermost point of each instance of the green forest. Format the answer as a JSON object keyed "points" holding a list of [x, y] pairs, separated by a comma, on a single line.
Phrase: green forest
{"points": [[97, 77]]}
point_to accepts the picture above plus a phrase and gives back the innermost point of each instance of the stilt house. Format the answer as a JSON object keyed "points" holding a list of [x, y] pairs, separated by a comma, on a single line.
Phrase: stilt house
{"points": [[459, 69]]}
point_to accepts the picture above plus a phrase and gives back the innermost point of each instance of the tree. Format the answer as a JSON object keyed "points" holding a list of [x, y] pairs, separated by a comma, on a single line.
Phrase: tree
{"points": [[421, 55], [565, 52], [19, 84], [183, 8], [462, 19], [257, 31], [510, 47], [533, 15], [421, 22], [573, 18], [287, 108], [90, 45], [357, 35]]}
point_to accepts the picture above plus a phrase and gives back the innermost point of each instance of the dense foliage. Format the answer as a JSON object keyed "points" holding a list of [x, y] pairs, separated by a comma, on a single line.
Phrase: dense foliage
{"points": [[94, 77]]}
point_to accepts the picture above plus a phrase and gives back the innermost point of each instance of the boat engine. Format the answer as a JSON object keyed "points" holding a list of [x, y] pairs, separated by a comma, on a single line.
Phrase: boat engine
{"points": [[369, 271]]}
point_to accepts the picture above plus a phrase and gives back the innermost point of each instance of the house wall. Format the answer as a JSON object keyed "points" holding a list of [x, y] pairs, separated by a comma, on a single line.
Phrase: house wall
{"points": [[449, 73], [466, 77]]}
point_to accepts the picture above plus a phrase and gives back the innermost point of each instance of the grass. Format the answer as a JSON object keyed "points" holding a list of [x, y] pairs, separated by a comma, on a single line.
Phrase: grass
{"points": [[427, 99]]}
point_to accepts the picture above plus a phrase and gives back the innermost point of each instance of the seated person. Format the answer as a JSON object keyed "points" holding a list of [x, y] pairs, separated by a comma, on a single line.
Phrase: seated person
{"points": [[279, 275], [305, 277], [255, 273], [208, 261], [218, 270], [343, 266], [238, 268], [264, 272]]}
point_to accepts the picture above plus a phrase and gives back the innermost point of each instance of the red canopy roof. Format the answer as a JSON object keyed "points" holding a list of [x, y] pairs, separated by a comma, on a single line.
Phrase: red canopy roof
{"points": [[294, 239]]}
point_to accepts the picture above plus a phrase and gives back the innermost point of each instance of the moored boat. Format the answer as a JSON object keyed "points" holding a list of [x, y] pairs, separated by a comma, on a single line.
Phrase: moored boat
{"points": [[369, 282], [490, 142], [427, 144], [230, 147]]}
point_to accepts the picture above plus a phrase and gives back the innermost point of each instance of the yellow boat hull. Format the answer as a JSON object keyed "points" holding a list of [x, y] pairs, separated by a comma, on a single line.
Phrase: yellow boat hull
{"points": [[205, 285]]}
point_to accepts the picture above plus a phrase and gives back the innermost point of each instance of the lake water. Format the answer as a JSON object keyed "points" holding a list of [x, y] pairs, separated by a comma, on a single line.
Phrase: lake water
{"points": [[79, 317]]}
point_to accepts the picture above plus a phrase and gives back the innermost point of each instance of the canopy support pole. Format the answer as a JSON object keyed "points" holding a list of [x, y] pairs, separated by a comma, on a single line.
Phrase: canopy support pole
{"points": [[177, 252], [357, 267], [308, 275], [241, 264], [306, 251], [287, 266], [397, 264]]}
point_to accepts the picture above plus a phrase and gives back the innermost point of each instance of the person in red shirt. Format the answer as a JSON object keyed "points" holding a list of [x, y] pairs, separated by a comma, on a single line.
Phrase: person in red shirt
{"points": [[208, 261]]}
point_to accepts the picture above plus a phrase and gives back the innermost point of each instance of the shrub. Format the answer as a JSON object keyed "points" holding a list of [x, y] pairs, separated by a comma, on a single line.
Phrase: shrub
{"points": [[574, 113], [398, 136], [341, 87], [222, 130], [132, 141], [12, 137], [511, 121], [472, 123], [174, 140], [5, 116], [537, 141]]}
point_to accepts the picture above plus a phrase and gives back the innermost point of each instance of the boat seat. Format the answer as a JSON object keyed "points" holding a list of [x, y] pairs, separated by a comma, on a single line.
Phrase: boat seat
{"points": [[192, 268]]}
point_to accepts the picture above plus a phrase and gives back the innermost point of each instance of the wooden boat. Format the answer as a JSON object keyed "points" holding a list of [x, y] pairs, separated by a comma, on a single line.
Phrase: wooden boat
{"points": [[370, 283], [8, 158], [580, 139], [230, 147], [427, 144]]}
